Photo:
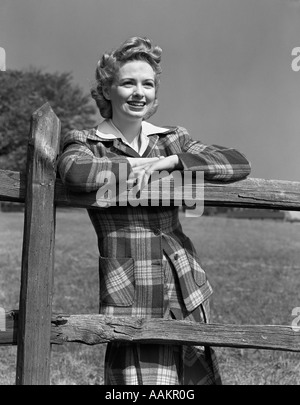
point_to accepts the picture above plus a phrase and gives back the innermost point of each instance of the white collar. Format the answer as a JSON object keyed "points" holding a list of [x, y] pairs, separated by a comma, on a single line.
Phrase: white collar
{"points": [[107, 130]]}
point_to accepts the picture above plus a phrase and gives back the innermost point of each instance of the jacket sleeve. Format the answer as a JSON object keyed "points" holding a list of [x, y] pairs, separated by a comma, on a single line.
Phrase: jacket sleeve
{"points": [[81, 170], [217, 162]]}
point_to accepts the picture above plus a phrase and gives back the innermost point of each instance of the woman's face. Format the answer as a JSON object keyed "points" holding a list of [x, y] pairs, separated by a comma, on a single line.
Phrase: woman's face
{"points": [[132, 93]]}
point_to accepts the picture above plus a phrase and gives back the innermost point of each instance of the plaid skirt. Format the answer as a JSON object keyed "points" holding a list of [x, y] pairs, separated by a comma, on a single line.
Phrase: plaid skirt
{"points": [[156, 364]]}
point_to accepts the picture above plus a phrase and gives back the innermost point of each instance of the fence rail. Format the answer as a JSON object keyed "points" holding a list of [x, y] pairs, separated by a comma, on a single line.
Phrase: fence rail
{"points": [[248, 193], [97, 329], [34, 328]]}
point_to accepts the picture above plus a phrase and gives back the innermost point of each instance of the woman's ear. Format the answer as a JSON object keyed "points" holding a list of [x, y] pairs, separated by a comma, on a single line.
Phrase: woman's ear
{"points": [[106, 92]]}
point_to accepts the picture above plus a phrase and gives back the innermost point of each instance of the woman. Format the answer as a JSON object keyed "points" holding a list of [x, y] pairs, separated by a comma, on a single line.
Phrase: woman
{"points": [[147, 266]]}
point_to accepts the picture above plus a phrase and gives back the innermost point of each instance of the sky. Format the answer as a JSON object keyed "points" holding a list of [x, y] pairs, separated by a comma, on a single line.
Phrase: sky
{"points": [[227, 64]]}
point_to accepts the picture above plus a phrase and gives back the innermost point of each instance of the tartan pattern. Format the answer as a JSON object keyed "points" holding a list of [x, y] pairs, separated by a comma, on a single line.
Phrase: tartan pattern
{"points": [[116, 280], [132, 241], [128, 364], [135, 364], [153, 364], [86, 154], [147, 266]]}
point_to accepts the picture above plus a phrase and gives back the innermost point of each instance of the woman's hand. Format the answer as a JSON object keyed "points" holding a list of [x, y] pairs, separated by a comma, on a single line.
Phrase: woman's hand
{"points": [[142, 170], [142, 162], [138, 166]]}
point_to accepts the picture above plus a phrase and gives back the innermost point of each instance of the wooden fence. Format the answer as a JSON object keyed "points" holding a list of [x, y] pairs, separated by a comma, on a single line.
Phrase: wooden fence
{"points": [[33, 327]]}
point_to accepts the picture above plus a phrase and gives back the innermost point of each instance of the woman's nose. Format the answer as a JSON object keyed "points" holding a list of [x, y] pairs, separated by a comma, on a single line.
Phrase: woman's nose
{"points": [[138, 91]]}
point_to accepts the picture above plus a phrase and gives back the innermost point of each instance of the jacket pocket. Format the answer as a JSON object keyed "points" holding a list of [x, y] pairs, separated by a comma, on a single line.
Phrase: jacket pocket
{"points": [[116, 280], [198, 273]]}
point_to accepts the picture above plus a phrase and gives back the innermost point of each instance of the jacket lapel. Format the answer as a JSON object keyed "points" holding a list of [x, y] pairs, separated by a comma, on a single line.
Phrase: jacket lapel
{"points": [[153, 139], [125, 149]]}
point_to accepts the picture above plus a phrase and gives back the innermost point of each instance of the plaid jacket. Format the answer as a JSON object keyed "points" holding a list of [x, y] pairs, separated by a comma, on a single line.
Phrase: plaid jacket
{"points": [[137, 243]]}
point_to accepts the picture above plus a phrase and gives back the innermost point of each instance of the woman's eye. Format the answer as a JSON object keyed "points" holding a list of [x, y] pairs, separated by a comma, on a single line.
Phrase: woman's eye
{"points": [[127, 84], [149, 84]]}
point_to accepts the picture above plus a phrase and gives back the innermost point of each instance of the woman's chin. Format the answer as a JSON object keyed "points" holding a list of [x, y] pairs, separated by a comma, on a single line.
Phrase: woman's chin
{"points": [[137, 114]]}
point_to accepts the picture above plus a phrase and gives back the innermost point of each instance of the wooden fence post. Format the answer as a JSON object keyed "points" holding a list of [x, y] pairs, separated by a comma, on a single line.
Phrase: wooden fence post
{"points": [[33, 352]]}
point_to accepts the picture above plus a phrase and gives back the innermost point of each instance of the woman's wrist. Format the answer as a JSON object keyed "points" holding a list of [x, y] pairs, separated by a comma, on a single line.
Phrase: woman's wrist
{"points": [[177, 162]]}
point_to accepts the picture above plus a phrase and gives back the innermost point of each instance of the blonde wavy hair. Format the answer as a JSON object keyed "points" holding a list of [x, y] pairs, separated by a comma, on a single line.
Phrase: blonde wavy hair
{"points": [[135, 48]]}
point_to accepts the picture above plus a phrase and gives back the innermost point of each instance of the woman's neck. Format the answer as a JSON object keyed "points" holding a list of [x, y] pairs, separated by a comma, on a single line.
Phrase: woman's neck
{"points": [[129, 129]]}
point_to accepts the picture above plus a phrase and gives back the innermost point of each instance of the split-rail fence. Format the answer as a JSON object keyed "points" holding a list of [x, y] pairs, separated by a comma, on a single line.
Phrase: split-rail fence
{"points": [[34, 328]]}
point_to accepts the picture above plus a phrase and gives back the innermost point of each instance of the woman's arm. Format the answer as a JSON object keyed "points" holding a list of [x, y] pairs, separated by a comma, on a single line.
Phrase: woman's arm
{"points": [[217, 162], [82, 171]]}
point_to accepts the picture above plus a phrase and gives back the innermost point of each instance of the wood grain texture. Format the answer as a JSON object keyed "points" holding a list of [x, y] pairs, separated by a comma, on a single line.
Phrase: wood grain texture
{"points": [[247, 193], [33, 354], [99, 329]]}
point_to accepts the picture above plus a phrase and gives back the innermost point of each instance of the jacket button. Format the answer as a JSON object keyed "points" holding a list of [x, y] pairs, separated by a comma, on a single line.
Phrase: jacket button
{"points": [[157, 232], [176, 256]]}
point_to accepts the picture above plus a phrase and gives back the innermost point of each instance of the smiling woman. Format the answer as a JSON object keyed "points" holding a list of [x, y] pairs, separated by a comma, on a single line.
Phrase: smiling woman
{"points": [[107, 71], [148, 267]]}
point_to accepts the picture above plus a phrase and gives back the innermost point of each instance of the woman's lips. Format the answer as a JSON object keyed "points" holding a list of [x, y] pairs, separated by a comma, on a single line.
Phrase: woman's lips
{"points": [[136, 103]]}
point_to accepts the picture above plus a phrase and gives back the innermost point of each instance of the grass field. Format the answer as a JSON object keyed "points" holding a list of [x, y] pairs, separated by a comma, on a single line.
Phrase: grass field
{"points": [[253, 266]]}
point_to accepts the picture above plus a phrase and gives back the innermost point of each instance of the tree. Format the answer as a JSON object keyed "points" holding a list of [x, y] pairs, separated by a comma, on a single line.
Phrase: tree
{"points": [[23, 92]]}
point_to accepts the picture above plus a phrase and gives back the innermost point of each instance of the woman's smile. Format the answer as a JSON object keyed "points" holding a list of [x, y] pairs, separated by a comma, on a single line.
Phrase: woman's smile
{"points": [[136, 104]]}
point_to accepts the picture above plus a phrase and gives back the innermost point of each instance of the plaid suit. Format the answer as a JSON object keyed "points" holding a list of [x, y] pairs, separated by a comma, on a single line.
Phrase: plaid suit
{"points": [[142, 247]]}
